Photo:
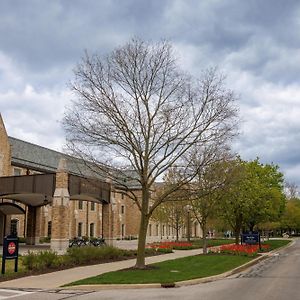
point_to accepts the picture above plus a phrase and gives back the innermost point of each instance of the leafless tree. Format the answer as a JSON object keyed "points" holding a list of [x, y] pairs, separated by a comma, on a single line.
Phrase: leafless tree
{"points": [[137, 113]]}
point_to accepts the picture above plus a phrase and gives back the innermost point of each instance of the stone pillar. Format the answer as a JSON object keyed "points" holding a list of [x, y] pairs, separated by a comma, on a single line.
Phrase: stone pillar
{"points": [[61, 211], [108, 224], [31, 224]]}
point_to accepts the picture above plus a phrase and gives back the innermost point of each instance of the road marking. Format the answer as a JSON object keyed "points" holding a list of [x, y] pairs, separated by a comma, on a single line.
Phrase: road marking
{"points": [[7, 293]]}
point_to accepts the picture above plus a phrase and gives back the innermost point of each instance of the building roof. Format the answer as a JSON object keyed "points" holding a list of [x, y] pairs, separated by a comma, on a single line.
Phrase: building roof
{"points": [[35, 157]]}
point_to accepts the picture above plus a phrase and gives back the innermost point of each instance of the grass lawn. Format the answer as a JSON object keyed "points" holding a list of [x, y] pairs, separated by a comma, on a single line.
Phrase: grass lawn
{"points": [[274, 244], [171, 271]]}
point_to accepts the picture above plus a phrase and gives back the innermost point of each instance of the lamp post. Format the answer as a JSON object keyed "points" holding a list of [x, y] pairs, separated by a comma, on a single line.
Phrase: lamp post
{"points": [[188, 232]]}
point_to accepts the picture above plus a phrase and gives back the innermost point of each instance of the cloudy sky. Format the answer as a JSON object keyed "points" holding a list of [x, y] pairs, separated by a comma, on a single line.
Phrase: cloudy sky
{"points": [[256, 43]]}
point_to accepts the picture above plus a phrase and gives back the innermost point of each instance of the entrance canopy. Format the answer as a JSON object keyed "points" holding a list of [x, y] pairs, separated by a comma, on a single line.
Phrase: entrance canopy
{"points": [[38, 189], [11, 209]]}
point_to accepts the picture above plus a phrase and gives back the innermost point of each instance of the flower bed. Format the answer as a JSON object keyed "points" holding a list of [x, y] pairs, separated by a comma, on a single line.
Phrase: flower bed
{"points": [[171, 245], [245, 250]]}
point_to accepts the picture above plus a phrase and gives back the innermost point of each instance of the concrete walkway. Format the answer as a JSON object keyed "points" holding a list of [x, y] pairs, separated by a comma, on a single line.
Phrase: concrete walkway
{"points": [[56, 279]]}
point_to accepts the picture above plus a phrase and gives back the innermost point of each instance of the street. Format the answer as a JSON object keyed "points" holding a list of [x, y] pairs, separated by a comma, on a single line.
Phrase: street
{"points": [[275, 278]]}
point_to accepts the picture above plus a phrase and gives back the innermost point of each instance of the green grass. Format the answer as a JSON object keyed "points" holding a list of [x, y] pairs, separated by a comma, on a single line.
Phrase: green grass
{"points": [[274, 244], [171, 271]]}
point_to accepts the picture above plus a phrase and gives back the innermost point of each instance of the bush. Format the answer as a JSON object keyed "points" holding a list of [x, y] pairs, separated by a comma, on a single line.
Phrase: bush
{"points": [[45, 239], [164, 250], [48, 259], [40, 261], [29, 261], [22, 240], [89, 254]]}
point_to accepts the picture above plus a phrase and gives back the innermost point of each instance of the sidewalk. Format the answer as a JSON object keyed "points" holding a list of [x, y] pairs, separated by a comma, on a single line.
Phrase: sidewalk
{"points": [[56, 279]]}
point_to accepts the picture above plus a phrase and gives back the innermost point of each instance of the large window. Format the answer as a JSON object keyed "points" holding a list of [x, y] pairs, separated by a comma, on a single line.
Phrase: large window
{"points": [[79, 229], [92, 230], [80, 204], [123, 230], [92, 205], [17, 171], [14, 227], [49, 229]]}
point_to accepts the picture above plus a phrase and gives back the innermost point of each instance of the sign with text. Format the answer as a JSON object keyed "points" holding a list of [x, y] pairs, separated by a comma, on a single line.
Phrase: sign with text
{"points": [[10, 251], [251, 238]]}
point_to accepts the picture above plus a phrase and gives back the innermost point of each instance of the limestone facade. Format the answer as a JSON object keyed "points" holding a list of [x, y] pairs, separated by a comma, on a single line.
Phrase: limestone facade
{"points": [[63, 218]]}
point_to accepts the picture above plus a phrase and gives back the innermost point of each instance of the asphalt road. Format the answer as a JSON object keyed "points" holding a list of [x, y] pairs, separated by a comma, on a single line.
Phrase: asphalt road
{"points": [[275, 278]]}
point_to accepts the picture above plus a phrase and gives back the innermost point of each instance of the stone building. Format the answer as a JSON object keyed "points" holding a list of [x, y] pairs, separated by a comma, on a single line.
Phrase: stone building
{"points": [[45, 194]]}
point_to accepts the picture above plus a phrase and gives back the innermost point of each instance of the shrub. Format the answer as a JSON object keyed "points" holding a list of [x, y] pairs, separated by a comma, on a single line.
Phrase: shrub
{"points": [[48, 259], [29, 261], [89, 254], [45, 239], [42, 260]]}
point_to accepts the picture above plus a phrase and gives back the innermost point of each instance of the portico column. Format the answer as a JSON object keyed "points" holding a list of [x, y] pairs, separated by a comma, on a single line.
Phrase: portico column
{"points": [[108, 224], [31, 224], [61, 210]]}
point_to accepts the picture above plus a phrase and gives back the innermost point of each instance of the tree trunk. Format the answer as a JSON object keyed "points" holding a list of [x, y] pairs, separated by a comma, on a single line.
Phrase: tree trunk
{"points": [[204, 239], [140, 259], [237, 236]]}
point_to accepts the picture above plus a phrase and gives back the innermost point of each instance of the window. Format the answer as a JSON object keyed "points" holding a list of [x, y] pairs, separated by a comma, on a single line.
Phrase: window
{"points": [[49, 229], [17, 171], [123, 230], [122, 196], [79, 229], [163, 230], [92, 205], [150, 229], [92, 229], [157, 229], [122, 209], [80, 204], [14, 227]]}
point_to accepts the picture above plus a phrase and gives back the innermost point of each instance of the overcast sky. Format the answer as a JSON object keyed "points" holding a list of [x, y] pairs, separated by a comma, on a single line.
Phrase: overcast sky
{"points": [[256, 43]]}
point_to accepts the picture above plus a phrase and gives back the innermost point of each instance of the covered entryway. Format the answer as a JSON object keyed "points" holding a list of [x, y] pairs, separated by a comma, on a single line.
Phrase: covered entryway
{"points": [[7, 209], [57, 189]]}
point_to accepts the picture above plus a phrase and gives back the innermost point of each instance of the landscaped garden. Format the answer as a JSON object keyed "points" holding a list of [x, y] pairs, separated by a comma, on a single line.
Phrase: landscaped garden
{"points": [[167, 247], [226, 258], [174, 270], [171, 271]]}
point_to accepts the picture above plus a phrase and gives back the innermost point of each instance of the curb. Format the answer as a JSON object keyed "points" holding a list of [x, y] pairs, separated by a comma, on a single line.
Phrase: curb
{"points": [[97, 287]]}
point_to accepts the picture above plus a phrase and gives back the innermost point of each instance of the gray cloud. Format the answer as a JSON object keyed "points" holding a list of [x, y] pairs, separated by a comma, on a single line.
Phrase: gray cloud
{"points": [[256, 43]]}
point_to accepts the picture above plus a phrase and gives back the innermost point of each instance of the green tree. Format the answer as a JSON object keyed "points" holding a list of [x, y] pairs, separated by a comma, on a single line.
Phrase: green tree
{"points": [[206, 191], [254, 195], [290, 220]]}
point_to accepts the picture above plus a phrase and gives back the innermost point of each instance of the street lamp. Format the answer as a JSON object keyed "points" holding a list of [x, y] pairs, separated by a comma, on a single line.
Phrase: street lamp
{"points": [[188, 233]]}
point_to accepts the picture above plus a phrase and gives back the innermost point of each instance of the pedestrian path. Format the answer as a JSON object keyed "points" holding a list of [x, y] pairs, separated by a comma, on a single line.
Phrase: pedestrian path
{"points": [[59, 278]]}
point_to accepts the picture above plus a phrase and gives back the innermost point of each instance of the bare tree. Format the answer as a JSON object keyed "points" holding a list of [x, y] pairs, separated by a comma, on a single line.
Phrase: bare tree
{"points": [[171, 210], [138, 113], [206, 191]]}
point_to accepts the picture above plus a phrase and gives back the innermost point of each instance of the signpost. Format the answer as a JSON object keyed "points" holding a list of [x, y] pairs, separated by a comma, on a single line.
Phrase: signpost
{"points": [[10, 251]]}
